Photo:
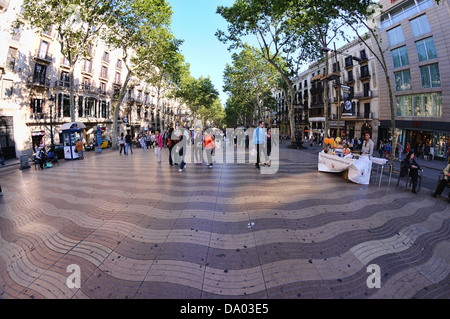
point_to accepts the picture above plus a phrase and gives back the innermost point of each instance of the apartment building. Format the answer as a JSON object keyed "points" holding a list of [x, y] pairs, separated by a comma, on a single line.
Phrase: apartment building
{"points": [[351, 67], [35, 90], [354, 91], [416, 37]]}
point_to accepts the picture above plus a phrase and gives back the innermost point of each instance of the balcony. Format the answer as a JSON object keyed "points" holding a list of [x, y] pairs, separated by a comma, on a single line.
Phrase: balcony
{"points": [[363, 58], [364, 76], [62, 84], [350, 80], [86, 88], [43, 57], [365, 115], [363, 95], [40, 117], [38, 81]]}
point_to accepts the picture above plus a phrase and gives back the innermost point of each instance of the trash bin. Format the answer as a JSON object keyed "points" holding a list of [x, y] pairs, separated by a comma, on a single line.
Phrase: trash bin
{"points": [[24, 162]]}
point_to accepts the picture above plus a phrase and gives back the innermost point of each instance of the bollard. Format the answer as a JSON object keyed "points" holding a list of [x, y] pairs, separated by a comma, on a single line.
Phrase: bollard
{"points": [[24, 163]]}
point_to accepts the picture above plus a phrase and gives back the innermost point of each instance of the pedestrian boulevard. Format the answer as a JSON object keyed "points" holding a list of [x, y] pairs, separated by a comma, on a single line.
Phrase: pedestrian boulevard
{"points": [[137, 229]]}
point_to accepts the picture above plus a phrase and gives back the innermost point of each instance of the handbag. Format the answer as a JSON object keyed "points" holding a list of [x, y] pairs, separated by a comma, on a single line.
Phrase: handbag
{"points": [[75, 150]]}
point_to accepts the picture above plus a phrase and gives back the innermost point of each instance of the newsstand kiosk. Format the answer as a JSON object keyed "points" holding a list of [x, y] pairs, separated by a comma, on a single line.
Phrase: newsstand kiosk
{"points": [[71, 133]]}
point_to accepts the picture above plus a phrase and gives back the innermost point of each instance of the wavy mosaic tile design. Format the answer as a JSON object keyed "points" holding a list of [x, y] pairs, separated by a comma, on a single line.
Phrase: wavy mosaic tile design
{"points": [[138, 229]]}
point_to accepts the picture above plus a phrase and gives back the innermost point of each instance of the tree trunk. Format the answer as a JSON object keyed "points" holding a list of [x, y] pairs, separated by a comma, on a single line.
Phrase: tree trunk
{"points": [[325, 100], [72, 90], [123, 90]]}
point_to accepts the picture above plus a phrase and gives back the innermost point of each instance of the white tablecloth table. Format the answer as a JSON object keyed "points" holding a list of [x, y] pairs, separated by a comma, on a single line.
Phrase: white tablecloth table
{"points": [[381, 164], [358, 169]]}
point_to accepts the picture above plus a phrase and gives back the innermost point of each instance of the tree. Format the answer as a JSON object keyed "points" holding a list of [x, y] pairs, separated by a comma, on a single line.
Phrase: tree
{"points": [[321, 22], [277, 34], [251, 80], [77, 23], [355, 14], [165, 71], [198, 94], [136, 30]]}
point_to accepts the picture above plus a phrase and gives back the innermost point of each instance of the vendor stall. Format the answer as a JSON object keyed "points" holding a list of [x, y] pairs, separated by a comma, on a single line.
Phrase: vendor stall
{"points": [[358, 169], [71, 133]]}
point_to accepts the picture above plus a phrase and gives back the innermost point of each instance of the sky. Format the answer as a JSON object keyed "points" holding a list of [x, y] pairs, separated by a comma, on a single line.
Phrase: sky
{"points": [[196, 22]]}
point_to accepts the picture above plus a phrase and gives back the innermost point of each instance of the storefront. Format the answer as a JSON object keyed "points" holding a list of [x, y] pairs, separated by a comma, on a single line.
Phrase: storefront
{"points": [[416, 133], [7, 137]]}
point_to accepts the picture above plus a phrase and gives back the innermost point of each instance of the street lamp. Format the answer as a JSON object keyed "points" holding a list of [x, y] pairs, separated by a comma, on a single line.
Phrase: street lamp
{"points": [[51, 99]]}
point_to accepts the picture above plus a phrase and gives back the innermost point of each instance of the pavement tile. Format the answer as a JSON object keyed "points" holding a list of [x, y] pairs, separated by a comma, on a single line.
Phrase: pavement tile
{"points": [[229, 232]]}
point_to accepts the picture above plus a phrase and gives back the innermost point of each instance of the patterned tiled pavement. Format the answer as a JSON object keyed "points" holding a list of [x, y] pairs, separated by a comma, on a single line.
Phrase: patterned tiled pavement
{"points": [[138, 229]]}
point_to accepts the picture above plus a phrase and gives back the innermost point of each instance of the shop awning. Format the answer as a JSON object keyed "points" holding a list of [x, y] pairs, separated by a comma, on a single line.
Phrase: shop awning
{"points": [[73, 125]]}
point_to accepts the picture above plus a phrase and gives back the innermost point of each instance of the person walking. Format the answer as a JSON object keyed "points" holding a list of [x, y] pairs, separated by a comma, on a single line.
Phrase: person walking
{"points": [[209, 147], [259, 140], [122, 144], [443, 183], [413, 167], [128, 142], [159, 144], [269, 146], [198, 146], [400, 151], [142, 141], [170, 144], [181, 144], [79, 148], [2, 157]]}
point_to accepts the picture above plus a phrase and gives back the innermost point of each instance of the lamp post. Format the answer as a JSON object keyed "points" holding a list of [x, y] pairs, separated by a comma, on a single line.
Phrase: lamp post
{"points": [[336, 77], [53, 100]]}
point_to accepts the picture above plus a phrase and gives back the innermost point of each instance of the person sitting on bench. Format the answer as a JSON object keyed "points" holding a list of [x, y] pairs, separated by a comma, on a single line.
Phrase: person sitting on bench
{"points": [[413, 167], [443, 183]]}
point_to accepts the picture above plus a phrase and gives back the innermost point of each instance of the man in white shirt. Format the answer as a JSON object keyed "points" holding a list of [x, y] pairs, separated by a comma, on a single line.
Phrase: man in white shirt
{"points": [[367, 145]]}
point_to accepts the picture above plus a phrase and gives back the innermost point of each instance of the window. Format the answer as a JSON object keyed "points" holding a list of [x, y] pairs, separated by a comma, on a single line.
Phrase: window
{"points": [[6, 89], [420, 105], [104, 72], [102, 88], [80, 106], [350, 76], [117, 78], [65, 79], [364, 71], [11, 59], [405, 10], [420, 26], [348, 62], [366, 89], [87, 66], [106, 56], [43, 50], [119, 64], [65, 76], [402, 81], [36, 106], [86, 83], [400, 57], [39, 73], [66, 105], [426, 49], [362, 55], [90, 106], [395, 36], [104, 109], [17, 32], [429, 76]]}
